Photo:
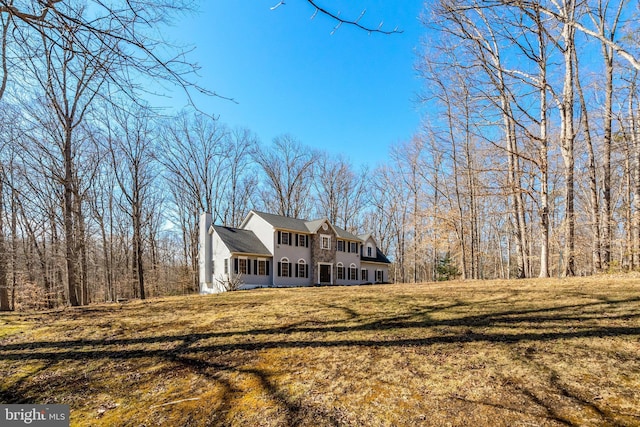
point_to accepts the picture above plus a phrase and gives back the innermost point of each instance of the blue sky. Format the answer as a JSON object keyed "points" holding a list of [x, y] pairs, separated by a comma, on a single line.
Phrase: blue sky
{"points": [[349, 93]]}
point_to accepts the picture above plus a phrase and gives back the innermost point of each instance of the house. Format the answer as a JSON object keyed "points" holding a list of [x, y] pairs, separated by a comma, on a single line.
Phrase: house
{"points": [[272, 250]]}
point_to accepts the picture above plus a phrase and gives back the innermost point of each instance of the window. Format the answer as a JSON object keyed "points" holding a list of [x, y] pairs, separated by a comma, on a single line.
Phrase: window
{"points": [[325, 241], [226, 266], [284, 268], [263, 269], [364, 274], [340, 245], [353, 247], [340, 271], [303, 269], [353, 272], [379, 276], [369, 248], [285, 238], [302, 240], [242, 265]]}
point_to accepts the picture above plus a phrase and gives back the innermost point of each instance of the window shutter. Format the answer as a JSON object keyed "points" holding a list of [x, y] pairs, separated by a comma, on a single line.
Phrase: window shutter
{"points": [[266, 263], [297, 235], [290, 267], [248, 266], [297, 269], [235, 265], [279, 269], [306, 271], [306, 242], [255, 266], [279, 236], [290, 237]]}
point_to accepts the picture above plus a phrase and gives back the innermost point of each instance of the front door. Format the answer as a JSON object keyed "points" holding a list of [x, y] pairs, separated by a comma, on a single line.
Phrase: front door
{"points": [[325, 273]]}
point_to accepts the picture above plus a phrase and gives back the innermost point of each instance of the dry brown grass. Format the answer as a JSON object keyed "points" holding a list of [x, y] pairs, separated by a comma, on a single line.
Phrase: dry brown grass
{"points": [[486, 353]]}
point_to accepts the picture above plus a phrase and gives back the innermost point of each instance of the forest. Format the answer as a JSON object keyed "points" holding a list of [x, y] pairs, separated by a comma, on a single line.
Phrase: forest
{"points": [[527, 162]]}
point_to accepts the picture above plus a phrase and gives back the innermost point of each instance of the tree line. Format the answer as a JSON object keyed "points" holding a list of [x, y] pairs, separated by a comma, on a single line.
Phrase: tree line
{"points": [[527, 163]]}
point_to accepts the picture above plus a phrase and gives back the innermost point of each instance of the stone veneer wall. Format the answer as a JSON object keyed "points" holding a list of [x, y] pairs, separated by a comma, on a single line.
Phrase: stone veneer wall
{"points": [[323, 255]]}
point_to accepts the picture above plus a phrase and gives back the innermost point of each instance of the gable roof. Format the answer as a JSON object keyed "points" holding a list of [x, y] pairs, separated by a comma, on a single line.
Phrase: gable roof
{"points": [[314, 226], [300, 225], [241, 241], [344, 234], [280, 222], [365, 237]]}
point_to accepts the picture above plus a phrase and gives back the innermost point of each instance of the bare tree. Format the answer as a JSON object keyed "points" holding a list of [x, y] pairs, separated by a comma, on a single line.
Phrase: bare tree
{"points": [[4, 288], [239, 187], [193, 152], [126, 29], [341, 192], [131, 147], [606, 21], [70, 83], [288, 169]]}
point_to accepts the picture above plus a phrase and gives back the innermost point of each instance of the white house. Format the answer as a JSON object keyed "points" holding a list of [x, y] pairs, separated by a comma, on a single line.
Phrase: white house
{"points": [[272, 250]]}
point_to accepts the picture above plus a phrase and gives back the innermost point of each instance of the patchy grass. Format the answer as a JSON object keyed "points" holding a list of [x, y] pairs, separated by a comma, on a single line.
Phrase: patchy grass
{"points": [[476, 353]]}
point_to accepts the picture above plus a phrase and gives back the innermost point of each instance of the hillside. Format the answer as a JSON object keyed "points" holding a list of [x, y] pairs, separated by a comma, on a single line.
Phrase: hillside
{"points": [[554, 352]]}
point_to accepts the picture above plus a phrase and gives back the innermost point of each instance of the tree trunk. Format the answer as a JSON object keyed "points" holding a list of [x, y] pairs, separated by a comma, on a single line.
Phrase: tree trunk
{"points": [[607, 228], [567, 142], [594, 209], [544, 153], [70, 241], [4, 285], [81, 249], [635, 139], [137, 243]]}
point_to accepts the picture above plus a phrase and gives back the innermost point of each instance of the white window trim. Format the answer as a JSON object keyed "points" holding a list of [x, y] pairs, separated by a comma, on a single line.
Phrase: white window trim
{"points": [[353, 267], [298, 264], [328, 237], [246, 265], [283, 261], [265, 267]]}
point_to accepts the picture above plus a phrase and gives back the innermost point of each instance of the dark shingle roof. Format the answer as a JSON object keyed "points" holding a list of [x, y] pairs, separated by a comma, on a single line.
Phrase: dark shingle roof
{"points": [[343, 234], [301, 225], [241, 241], [380, 257], [283, 222]]}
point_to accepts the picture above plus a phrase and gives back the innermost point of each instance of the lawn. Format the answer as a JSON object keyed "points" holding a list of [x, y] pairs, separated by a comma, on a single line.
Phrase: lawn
{"points": [[543, 353]]}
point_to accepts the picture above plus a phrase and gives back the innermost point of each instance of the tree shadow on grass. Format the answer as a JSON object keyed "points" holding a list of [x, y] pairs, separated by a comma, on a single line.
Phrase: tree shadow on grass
{"points": [[198, 352], [529, 325]]}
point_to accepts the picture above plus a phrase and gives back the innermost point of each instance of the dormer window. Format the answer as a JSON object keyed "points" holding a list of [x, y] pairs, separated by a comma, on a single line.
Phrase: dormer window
{"points": [[369, 249]]}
